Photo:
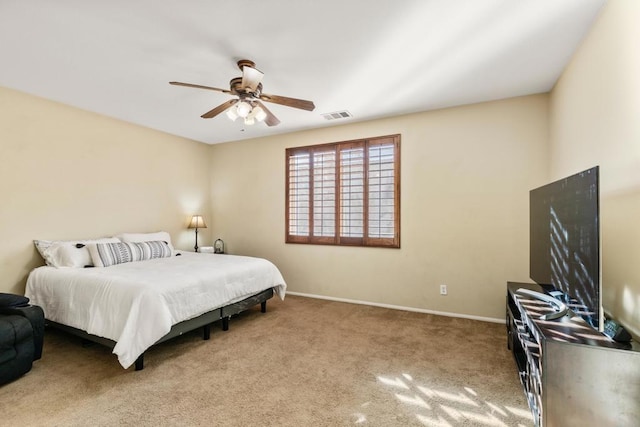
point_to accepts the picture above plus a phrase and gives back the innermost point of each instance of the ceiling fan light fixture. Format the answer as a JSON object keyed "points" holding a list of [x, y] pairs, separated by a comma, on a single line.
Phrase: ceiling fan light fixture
{"points": [[231, 113], [243, 109], [249, 121], [259, 114]]}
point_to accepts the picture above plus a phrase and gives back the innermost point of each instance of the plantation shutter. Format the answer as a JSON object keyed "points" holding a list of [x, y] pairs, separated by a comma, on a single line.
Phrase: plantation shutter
{"points": [[324, 195], [298, 195], [382, 191], [352, 209], [345, 193]]}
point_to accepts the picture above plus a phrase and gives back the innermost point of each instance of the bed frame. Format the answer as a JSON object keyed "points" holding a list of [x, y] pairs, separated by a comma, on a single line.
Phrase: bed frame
{"points": [[203, 321]]}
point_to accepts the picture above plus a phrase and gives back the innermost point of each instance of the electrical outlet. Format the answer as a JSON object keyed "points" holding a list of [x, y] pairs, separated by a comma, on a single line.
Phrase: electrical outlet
{"points": [[443, 289]]}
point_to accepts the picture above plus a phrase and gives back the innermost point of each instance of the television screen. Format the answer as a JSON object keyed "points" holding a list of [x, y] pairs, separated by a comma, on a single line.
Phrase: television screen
{"points": [[564, 252]]}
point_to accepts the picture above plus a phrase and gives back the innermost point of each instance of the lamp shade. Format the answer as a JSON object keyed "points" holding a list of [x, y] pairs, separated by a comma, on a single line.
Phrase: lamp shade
{"points": [[197, 222]]}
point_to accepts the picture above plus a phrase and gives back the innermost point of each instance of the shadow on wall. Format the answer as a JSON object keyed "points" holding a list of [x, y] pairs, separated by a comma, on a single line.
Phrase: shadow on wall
{"points": [[620, 214]]}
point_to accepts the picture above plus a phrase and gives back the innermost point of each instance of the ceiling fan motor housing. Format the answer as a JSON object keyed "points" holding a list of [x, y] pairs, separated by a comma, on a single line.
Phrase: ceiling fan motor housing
{"points": [[246, 62], [236, 88]]}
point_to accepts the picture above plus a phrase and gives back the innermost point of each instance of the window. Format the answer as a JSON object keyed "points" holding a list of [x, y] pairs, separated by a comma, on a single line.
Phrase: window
{"points": [[345, 193]]}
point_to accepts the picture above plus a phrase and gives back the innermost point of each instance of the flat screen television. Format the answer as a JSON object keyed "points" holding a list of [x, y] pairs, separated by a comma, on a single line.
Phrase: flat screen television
{"points": [[564, 251]]}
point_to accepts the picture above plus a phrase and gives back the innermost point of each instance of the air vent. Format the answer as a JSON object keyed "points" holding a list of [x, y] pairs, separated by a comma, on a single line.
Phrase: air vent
{"points": [[337, 115]]}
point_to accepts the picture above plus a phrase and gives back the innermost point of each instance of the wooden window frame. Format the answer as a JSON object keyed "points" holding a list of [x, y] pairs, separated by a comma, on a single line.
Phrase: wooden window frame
{"points": [[336, 239]]}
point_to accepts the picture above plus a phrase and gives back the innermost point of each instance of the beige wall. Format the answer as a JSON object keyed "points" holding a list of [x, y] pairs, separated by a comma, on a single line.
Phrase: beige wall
{"points": [[595, 120], [70, 174], [466, 173]]}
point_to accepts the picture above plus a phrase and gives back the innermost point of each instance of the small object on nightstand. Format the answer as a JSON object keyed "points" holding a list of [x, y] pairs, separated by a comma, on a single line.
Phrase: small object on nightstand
{"points": [[218, 246], [206, 249]]}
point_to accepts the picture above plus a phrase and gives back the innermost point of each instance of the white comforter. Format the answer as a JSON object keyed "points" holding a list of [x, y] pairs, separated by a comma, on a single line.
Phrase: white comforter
{"points": [[136, 303]]}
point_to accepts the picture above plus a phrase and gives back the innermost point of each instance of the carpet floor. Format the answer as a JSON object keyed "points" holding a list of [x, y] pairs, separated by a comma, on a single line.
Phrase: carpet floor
{"points": [[305, 362]]}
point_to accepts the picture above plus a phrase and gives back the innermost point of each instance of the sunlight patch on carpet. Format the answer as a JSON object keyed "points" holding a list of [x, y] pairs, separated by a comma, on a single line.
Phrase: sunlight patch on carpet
{"points": [[518, 412], [394, 382], [450, 397], [433, 422], [415, 400], [453, 406], [360, 418]]}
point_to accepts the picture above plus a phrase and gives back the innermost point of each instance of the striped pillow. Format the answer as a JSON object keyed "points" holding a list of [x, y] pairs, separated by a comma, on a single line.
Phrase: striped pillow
{"points": [[107, 254]]}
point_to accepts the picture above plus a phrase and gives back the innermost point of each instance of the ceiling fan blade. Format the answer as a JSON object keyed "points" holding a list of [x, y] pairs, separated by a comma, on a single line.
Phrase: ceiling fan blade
{"points": [[251, 78], [271, 120], [289, 102], [199, 86], [219, 109]]}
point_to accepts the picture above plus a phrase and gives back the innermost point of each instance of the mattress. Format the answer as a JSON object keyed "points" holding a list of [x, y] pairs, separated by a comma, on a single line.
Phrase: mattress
{"points": [[137, 303]]}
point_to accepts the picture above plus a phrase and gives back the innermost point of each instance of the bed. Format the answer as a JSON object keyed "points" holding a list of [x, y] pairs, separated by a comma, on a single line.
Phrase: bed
{"points": [[131, 306]]}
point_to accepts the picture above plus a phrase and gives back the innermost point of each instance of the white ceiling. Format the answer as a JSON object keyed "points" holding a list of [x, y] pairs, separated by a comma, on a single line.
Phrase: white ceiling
{"points": [[373, 58]]}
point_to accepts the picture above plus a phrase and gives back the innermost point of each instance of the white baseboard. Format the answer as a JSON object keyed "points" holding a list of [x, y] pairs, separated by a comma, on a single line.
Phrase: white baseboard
{"points": [[399, 307]]}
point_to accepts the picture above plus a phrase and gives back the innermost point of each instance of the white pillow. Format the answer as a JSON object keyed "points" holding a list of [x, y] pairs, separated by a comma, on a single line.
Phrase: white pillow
{"points": [[68, 253], [163, 236], [108, 254]]}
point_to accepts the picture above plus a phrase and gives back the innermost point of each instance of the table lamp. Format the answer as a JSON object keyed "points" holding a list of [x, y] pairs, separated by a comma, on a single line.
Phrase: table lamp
{"points": [[197, 222]]}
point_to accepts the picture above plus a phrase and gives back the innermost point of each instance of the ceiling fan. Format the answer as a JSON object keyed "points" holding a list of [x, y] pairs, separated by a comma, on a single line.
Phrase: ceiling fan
{"points": [[248, 92]]}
